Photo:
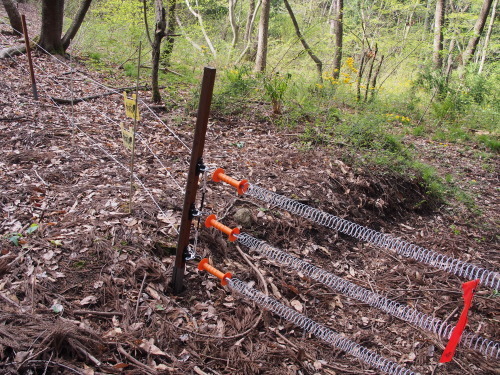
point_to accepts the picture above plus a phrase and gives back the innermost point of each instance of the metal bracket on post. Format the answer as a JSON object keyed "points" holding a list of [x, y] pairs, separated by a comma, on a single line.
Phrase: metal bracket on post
{"points": [[195, 165], [200, 167]]}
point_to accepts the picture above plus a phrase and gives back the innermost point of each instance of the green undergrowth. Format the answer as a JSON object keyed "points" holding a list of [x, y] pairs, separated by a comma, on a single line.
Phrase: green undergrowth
{"points": [[375, 131]]}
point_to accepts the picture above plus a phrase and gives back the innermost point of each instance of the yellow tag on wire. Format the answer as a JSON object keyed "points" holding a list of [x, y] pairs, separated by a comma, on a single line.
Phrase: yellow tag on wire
{"points": [[131, 108], [127, 136]]}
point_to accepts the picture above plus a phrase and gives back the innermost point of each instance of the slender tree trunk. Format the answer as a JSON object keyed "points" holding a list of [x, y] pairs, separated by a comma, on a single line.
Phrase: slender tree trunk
{"points": [[370, 71], [478, 29], [488, 35], [170, 38], [426, 18], [261, 59], [14, 16], [202, 26], [374, 80], [338, 29], [437, 56], [185, 34], [250, 19], [160, 26], [449, 66], [360, 75], [52, 26], [232, 20], [75, 25], [248, 32], [317, 61]]}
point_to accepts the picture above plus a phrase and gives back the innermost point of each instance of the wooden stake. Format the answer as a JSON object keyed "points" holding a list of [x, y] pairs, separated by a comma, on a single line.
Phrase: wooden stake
{"points": [[207, 87], [134, 130], [30, 62]]}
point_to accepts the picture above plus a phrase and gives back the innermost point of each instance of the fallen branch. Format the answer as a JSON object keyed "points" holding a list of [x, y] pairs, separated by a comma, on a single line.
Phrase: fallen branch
{"points": [[137, 363], [12, 51], [13, 118], [166, 70], [58, 364], [85, 98], [100, 313]]}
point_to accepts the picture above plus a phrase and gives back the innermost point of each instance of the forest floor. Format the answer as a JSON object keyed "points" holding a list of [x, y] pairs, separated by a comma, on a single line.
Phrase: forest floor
{"points": [[84, 284]]}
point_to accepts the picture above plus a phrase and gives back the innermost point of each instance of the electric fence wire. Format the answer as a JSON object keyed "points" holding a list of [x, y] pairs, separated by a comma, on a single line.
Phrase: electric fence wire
{"points": [[326, 334], [138, 133], [401, 311], [139, 136], [174, 134], [98, 145], [430, 257]]}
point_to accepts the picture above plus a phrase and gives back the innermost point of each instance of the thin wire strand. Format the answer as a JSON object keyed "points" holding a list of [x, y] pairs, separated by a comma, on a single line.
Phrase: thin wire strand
{"points": [[98, 145], [401, 311], [430, 257], [110, 89], [331, 337], [146, 143]]}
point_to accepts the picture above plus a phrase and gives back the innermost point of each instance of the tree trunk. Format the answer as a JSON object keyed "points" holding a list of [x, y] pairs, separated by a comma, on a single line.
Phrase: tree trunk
{"points": [[261, 59], [14, 16], [52, 25], [374, 80], [250, 19], [426, 18], [360, 75], [202, 27], [185, 35], [370, 71], [317, 61], [170, 39], [160, 26], [478, 29], [75, 25], [449, 66], [437, 56], [338, 29], [249, 27], [232, 20], [488, 35]]}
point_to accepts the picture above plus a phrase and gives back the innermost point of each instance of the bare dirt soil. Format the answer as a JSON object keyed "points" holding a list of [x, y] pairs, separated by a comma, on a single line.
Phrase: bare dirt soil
{"points": [[84, 285]]}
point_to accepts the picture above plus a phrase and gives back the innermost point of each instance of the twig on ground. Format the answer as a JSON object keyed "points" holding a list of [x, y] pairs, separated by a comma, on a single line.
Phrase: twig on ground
{"points": [[101, 313], [89, 356], [50, 362], [41, 179], [139, 295], [47, 364], [108, 93], [137, 363], [7, 299], [7, 119]]}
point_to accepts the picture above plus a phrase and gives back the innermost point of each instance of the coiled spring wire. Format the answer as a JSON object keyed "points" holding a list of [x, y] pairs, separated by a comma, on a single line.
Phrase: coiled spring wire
{"points": [[419, 319], [331, 337], [401, 247]]}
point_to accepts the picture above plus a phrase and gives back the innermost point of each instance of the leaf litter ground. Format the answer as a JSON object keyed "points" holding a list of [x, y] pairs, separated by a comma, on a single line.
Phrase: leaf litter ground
{"points": [[86, 288]]}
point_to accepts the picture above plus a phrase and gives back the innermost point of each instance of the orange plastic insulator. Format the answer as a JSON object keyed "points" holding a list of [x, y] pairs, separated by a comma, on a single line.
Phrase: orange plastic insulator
{"points": [[241, 186], [211, 221], [204, 266]]}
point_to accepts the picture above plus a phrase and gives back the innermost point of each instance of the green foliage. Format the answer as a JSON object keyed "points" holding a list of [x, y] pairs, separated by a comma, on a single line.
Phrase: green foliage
{"points": [[14, 238], [491, 142], [234, 89], [414, 99], [275, 86]]}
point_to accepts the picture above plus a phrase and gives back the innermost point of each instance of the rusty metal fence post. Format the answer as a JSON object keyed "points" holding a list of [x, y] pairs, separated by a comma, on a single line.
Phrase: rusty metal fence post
{"points": [[28, 53], [193, 177]]}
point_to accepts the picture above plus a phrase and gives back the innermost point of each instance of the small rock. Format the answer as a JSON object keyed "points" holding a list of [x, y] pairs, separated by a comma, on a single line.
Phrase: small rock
{"points": [[243, 217]]}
